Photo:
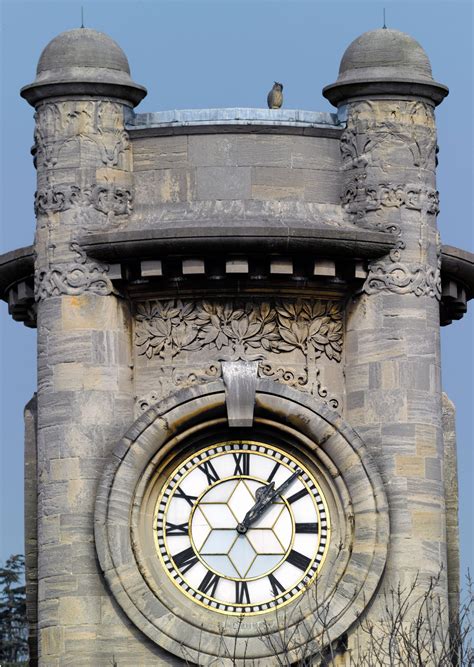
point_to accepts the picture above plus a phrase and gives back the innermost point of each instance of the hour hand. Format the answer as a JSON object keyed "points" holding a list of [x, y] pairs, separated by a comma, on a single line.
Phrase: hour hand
{"points": [[264, 495]]}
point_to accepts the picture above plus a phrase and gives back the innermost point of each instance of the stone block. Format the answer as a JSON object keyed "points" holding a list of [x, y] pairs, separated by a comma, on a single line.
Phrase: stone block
{"points": [[389, 405], [164, 186], [48, 529], [423, 407], [64, 469], [96, 407], [277, 192], [74, 610], [315, 153], [281, 266], [52, 641], [52, 498], [48, 613], [90, 312], [323, 187], [433, 468], [103, 378], [77, 527], [193, 267], [324, 267], [54, 560], [223, 183], [410, 466], [110, 348], [151, 268], [241, 150], [425, 439], [68, 377], [237, 266], [427, 524], [80, 493], [160, 152], [74, 347], [57, 586], [55, 409], [357, 377], [355, 399]]}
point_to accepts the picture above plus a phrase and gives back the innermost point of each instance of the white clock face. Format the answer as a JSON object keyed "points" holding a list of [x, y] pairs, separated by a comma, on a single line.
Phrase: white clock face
{"points": [[241, 527]]}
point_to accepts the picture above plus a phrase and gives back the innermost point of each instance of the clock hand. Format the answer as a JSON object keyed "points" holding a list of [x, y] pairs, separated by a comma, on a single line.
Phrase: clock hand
{"points": [[265, 496], [287, 483]]}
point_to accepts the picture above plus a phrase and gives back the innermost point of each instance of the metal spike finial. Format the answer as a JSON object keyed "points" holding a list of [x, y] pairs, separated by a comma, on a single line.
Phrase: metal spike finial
{"points": [[82, 16], [384, 24]]}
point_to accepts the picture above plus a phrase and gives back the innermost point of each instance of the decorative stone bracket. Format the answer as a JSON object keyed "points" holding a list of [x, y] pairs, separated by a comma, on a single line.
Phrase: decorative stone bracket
{"points": [[240, 381]]}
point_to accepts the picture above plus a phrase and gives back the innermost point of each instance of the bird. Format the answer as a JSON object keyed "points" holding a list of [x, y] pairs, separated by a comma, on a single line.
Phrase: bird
{"points": [[275, 96]]}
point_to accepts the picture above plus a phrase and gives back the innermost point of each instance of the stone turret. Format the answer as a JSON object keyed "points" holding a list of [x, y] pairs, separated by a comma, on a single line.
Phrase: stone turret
{"points": [[386, 91], [82, 95]]}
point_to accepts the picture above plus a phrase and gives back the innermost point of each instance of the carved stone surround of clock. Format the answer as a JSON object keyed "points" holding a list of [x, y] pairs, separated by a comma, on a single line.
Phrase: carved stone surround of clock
{"points": [[179, 596]]}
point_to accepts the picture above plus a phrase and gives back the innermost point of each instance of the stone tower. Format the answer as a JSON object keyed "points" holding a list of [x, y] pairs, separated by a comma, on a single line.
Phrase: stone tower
{"points": [[239, 433]]}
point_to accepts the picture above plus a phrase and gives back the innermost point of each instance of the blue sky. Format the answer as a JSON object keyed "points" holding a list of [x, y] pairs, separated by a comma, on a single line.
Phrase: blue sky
{"points": [[224, 54]]}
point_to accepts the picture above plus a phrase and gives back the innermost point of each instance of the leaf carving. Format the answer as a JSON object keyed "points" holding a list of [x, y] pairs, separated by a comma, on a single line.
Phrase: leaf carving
{"points": [[170, 327]]}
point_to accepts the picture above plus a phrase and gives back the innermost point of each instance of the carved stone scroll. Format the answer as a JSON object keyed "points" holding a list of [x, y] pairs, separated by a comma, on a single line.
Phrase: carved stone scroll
{"points": [[104, 197], [395, 276], [78, 277]]}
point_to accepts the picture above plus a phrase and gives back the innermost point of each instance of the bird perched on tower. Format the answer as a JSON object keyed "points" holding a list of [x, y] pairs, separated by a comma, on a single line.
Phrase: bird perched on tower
{"points": [[275, 96]]}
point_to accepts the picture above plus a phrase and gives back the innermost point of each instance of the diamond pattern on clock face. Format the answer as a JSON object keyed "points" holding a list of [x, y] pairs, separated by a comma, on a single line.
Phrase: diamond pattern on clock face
{"points": [[223, 549]]}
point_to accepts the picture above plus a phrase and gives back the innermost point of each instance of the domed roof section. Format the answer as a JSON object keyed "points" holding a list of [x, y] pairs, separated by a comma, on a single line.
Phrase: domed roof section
{"points": [[82, 47], [387, 53], [86, 62], [385, 61]]}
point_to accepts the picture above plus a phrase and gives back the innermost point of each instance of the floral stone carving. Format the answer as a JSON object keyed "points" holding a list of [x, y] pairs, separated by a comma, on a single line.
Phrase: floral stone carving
{"points": [[305, 330]]}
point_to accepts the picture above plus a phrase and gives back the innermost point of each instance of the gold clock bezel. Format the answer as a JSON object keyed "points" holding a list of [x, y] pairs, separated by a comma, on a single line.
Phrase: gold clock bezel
{"points": [[304, 581]]}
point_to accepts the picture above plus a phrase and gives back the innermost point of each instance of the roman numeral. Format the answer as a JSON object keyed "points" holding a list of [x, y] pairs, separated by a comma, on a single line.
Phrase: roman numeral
{"points": [[306, 527], [242, 463], [297, 496], [185, 560], [209, 584], [208, 469], [273, 472], [298, 560], [177, 528], [277, 587], [179, 493], [242, 592]]}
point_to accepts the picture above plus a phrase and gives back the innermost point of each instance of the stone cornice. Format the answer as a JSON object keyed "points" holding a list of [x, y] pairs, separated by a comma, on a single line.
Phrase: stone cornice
{"points": [[237, 238]]}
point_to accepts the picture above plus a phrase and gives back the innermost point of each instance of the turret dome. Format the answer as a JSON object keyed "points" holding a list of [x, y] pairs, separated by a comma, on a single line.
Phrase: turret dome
{"points": [[83, 61], [385, 62]]}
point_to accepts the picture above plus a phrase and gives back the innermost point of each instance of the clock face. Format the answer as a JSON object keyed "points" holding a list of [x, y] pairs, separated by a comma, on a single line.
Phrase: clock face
{"points": [[241, 527]]}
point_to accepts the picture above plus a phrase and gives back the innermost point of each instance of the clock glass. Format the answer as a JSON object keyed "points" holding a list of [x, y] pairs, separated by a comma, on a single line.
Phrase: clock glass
{"points": [[241, 527]]}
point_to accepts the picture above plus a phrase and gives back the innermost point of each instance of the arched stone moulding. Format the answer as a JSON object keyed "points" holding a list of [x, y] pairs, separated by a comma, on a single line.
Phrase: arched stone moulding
{"points": [[348, 476]]}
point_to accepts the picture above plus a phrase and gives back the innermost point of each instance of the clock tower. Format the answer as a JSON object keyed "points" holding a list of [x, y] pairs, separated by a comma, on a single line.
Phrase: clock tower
{"points": [[239, 442]]}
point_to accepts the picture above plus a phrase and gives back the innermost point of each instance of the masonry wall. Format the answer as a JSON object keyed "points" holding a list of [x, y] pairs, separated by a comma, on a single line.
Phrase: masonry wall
{"points": [[247, 176]]}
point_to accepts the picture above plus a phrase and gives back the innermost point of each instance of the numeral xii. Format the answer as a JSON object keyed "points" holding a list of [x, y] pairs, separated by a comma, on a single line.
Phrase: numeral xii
{"points": [[242, 463]]}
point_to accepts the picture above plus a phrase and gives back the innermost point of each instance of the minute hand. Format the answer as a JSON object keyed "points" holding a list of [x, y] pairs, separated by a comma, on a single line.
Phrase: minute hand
{"points": [[264, 499]]}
